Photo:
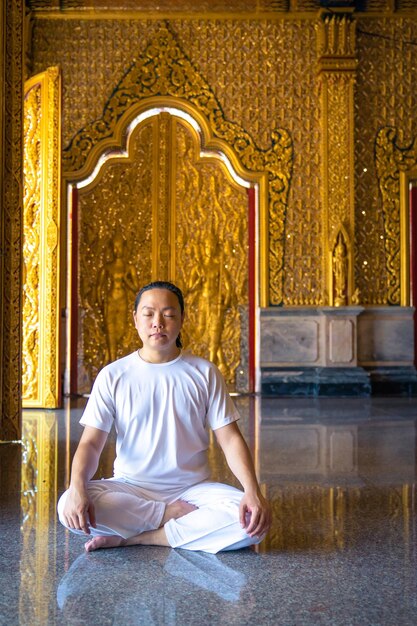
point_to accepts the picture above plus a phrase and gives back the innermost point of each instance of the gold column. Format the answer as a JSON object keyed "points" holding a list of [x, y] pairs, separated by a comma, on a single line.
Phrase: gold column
{"points": [[337, 69], [11, 97]]}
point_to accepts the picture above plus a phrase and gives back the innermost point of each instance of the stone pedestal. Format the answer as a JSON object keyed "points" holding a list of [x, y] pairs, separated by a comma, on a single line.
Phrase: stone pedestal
{"points": [[331, 351], [340, 336], [386, 349]]}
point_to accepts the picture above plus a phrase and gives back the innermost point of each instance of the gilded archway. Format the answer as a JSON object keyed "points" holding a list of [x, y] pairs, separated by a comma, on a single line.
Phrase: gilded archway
{"points": [[194, 215], [162, 208], [163, 70]]}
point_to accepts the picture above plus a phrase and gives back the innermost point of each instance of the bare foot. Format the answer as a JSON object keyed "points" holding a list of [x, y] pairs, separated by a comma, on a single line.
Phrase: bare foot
{"points": [[114, 541], [177, 509], [148, 538], [157, 537]]}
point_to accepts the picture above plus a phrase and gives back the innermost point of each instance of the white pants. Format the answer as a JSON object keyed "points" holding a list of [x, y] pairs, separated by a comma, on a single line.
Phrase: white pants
{"points": [[127, 510]]}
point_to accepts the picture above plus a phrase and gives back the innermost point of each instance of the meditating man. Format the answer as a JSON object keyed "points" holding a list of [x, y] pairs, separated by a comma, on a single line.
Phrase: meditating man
{"points": [[162, 402]]}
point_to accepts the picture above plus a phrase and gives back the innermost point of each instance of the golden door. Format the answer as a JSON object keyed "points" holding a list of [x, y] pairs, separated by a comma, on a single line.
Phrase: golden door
{"points": [[162, 209], [41, 302]]}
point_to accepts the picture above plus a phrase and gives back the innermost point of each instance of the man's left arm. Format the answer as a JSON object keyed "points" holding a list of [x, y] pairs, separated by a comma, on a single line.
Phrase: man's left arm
{"points": [[254, 513]]}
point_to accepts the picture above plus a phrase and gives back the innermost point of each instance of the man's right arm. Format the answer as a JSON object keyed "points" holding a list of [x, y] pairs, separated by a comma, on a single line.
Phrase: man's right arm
{"points": [[78, 510]]}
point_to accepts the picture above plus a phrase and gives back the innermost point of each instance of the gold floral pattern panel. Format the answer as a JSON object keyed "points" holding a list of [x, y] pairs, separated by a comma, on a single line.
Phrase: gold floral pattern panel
{"points": [[385, 128], [31, 242], [41, 385], [211, 251], [391, 159], [114, 253], [336, 37], [264, 73]]}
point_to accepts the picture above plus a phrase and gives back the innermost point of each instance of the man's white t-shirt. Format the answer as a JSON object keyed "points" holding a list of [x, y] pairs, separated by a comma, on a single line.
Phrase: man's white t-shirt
{"points": [[162, 414]]}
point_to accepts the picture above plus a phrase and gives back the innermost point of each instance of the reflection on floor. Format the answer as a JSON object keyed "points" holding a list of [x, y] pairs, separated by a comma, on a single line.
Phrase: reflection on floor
{"points": [[341, 476]]}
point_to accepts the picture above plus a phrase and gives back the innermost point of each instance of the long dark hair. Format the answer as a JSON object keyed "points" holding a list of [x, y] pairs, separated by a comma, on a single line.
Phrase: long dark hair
{"points": [[163, 284]]}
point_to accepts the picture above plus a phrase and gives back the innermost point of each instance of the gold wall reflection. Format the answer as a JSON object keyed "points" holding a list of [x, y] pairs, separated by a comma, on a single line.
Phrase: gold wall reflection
{"points": [[328, 518], [39, 490], [322, 512]]}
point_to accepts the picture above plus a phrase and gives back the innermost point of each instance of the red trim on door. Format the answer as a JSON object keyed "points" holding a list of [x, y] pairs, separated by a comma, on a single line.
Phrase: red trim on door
{"points": [[413, 261], [251, 284], [74, 293]]}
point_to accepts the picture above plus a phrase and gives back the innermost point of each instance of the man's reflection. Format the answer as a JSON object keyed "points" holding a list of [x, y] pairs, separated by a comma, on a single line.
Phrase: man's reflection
{"points": [[153, 588]]}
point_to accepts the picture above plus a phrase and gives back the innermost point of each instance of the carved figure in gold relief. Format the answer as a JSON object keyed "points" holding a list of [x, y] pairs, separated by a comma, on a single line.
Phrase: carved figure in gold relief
{"points": [[340, 272], [211, 278], [117, 281], [115, 248], [211, 259]]}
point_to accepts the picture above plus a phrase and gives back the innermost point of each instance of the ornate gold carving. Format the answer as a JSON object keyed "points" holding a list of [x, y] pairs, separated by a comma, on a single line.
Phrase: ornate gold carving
{"points": [[111, 269], [259, 90], [211, 251], [164, 70], [31, 248], [194, 230], [337, 63], [392, 159], [336, 39], [340, 262], [161, 216], [200, 8], [385, 95], [11, 216], [116, 281], [41, 306]]}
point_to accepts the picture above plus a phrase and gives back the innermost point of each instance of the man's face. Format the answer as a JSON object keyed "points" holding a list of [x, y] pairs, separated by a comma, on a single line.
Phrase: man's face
{"points": [[158, 320]]}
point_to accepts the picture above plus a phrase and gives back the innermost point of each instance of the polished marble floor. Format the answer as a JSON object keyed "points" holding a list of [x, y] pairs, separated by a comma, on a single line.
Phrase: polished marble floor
{"points": [[341, 477]]}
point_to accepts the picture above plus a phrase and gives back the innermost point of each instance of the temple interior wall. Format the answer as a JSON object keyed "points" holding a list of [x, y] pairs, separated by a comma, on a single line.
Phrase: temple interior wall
{"points": [[266, 72]]}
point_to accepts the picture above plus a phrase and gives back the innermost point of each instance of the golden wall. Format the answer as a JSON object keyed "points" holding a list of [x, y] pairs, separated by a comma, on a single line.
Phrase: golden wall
{"points": [[385, 97], [264, 73], [258, 87]]}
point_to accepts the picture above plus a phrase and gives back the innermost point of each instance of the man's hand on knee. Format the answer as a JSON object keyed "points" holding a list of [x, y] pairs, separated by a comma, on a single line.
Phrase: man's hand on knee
{"points": [[255, 514], [78, 512]]}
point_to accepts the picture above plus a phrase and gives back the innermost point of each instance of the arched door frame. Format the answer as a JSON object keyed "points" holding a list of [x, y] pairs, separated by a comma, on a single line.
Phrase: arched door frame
{"points": [[116, 147]]}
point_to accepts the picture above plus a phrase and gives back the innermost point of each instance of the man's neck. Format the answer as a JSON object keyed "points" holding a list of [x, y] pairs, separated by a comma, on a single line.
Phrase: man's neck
{"points": [[155, 356]]}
